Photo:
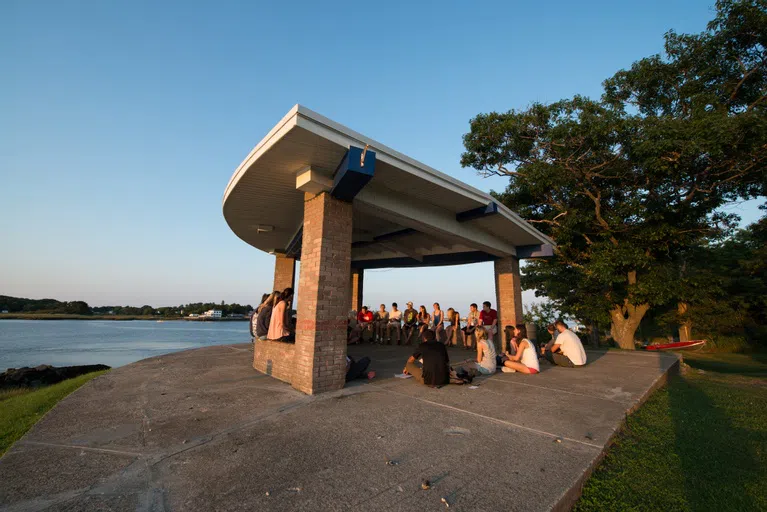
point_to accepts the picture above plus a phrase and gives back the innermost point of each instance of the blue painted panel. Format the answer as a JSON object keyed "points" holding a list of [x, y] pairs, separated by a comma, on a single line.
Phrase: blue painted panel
{"points": [[535, 251], [477, 213], [353, 173]]}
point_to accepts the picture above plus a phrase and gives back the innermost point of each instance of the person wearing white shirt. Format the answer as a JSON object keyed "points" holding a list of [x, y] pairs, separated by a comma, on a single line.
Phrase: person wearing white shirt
{"points": [[395, 322], [567, 350]]}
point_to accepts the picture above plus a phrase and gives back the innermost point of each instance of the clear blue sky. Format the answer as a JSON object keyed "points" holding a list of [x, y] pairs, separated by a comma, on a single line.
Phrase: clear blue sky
{"points": [[121, 122]]}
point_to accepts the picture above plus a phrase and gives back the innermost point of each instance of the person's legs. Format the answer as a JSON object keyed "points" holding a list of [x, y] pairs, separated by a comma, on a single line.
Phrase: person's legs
{"points": [[415, 370], [409, 333], [357, 369], [439, 332], [392, 329], [559, 359], [516, 365]]}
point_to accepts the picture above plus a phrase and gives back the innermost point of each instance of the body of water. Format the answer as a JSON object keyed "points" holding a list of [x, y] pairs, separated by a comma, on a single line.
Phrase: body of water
{"points": [[114, 343]]}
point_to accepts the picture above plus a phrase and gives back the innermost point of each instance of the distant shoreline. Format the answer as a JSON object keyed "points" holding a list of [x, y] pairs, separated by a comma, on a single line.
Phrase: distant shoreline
{"points": [[119, 318]]}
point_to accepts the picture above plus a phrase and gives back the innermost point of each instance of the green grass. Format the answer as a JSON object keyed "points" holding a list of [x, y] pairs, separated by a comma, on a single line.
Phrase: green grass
{"points": [[21, 408], [700, 443]]}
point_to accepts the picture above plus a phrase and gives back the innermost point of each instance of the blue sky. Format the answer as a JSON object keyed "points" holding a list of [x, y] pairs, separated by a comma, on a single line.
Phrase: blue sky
{"points": [[122, 122]]}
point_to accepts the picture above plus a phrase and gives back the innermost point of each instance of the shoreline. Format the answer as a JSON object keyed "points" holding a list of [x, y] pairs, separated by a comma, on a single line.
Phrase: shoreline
{"points": [[116, 318]]}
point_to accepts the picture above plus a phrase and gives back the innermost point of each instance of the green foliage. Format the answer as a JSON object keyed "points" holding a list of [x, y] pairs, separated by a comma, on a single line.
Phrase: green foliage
{"points": [[21, 408], [631, 187], [19, 305], [697, 444]]}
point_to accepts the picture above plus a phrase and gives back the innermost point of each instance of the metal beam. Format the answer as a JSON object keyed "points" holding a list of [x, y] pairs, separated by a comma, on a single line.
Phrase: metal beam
{"points": [[535, 251], [477, 213], [434, 260]]}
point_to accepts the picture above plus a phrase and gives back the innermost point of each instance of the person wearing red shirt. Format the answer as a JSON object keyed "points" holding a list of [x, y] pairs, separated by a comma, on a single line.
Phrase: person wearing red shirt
{"points": [[489, 319], [365, 323]]}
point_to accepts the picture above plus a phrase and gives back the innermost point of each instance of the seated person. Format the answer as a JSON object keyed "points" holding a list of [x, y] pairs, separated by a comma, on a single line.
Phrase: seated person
{"points": [[435, 369], [512, 341], [488, 318], [358, 369], [472, 322], [553, 333], [280, 324], [453, 331], [438, 322], [567, 350], [423, 319], [365, 324], [263, 315], [380, 321], [395, 319], [485, 363], [525, 360], [410, 318], [352, 333]]}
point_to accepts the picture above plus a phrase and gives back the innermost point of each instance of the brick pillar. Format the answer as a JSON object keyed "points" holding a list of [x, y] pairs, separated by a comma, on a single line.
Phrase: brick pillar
{"points": [[284, 272], [323, 286], [508, 293], [357, 279]]}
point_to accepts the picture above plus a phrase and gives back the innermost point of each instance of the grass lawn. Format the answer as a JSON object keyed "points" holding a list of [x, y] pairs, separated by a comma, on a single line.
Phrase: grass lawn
{"points": [[21, 408], [700, 443]]}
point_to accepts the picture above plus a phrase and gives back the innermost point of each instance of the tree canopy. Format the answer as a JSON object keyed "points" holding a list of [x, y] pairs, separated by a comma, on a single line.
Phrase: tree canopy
{"points": [[630, 186]]}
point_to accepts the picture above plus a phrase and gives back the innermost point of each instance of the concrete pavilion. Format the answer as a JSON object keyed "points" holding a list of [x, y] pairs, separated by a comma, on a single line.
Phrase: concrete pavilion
{"points": [[316, 191]]}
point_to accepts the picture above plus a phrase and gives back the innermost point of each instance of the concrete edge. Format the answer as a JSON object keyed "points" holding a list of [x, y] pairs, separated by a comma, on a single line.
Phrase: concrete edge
{"points": [[568, 500]]}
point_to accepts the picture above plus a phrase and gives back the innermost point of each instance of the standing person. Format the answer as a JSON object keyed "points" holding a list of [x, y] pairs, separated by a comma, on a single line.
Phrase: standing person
{"points": [[423, 320], [280, 325], [380, 322], [453, 331], [410, 317], [438, 322], [264, 315], [525, 360], [567, 349], [472, 322], [435, 369], [488, 317], [395, 320], [485, 362], [365, 323]]}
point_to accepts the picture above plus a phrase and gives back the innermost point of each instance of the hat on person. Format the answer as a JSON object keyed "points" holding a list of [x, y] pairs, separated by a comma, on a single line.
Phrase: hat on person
{"points": [[409, 303]]}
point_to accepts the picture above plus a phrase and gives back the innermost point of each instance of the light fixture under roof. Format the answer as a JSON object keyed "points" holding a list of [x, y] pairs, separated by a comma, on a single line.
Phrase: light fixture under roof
{"points": [[263, 228]]}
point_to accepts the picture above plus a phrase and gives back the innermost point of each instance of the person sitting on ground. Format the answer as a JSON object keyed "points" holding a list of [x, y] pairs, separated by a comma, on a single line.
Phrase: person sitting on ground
{"points": [[512, 341], [488, 318], [485, 363], [395, 319], [438, 322], [365, 324], [472, 322], [525, 360], [553, 333], [358, 369], [567, 350], [264, 315], [410, 317], [280, 325], [453, 331], [380, 322], [433, 369], [423, 320]]}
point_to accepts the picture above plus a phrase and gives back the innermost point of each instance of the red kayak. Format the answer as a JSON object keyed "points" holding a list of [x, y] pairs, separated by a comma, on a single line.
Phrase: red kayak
{"points": [[676, 346]]}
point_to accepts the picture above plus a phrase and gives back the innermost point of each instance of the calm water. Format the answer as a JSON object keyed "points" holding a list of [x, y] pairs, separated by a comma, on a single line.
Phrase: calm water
{"points": [[75, 342]]}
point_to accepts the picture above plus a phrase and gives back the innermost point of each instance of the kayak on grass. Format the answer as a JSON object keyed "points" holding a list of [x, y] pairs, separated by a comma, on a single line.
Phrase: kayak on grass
{"points": [[676, 346]]}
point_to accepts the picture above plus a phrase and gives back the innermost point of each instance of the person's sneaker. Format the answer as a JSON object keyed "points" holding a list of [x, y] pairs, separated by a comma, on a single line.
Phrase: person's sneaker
{"points": [[506, 369], [371, 375]]}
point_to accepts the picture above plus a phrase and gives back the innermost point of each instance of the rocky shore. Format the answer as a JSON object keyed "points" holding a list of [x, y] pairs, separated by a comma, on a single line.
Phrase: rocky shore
{"points": [[44, 375]]}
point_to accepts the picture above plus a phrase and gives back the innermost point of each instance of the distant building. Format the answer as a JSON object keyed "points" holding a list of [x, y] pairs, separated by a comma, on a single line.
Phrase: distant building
{"points": [[5, 311], [213, 313]]}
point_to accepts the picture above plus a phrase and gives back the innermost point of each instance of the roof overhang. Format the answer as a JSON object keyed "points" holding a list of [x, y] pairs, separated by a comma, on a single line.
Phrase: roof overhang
{"points": [[405, 213]]}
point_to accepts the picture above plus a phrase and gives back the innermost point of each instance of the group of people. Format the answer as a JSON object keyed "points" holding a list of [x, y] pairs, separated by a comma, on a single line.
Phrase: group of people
{"points": [[272, 319], [430, 364], [401, 327]]}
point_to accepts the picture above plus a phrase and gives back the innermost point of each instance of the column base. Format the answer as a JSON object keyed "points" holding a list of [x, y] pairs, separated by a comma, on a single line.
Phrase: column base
{"points": [[275, 358]]}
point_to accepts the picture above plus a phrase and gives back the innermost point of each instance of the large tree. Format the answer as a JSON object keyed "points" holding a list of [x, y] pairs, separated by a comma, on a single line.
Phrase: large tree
{"points": [[627, 185]]}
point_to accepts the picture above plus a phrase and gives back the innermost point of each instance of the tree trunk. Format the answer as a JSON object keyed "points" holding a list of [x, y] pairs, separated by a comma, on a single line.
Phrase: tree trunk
{"points": [[626, 319], [594, 335], [685, 324]]}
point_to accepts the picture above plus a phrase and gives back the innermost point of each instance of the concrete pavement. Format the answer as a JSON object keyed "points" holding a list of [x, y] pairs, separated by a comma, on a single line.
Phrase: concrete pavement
{"points": [[202, 430]]}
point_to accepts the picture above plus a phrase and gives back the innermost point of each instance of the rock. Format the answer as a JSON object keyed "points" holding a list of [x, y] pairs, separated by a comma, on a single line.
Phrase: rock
{"points": [[44, 375]]}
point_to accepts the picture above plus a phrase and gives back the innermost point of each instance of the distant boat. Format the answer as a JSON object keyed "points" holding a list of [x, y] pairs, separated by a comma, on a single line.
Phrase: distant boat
{"points": [[160, 321], [676, 346]]}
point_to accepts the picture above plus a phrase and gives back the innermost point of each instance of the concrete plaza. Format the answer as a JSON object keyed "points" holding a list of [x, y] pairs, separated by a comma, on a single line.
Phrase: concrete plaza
{"points": [[202, 430]]}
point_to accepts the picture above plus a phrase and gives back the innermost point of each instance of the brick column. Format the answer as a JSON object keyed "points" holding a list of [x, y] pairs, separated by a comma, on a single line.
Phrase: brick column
{"points": [[284, 272], [323, 286], [357, 279], [508, 293]]}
